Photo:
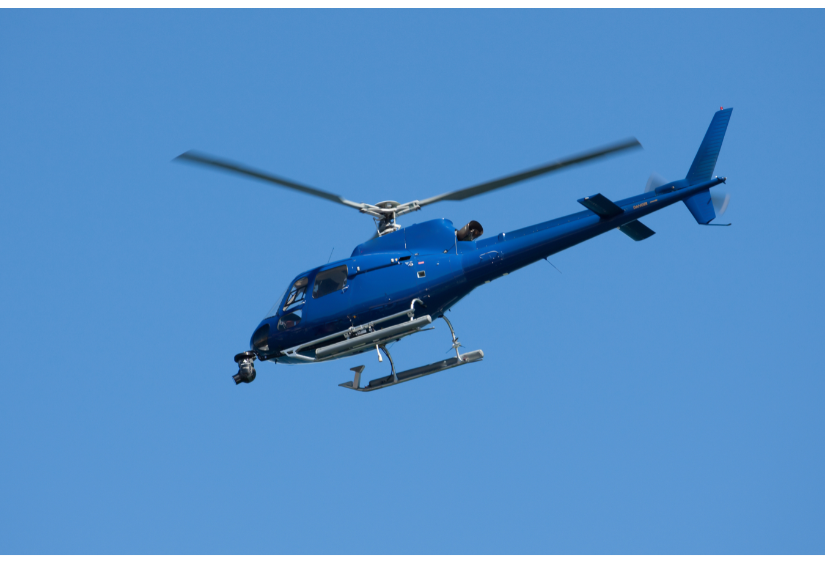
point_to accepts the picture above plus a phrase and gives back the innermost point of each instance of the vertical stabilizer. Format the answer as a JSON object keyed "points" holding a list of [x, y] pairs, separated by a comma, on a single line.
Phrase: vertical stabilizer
{"points": [[705, 161], [701, 207]]}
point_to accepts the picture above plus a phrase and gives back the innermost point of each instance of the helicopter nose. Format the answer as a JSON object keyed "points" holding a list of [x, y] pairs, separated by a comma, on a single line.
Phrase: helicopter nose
{"points": [[260, 339]]}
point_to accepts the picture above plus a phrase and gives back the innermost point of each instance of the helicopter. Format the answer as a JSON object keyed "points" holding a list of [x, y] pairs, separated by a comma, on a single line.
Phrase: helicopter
{"points": [[405, 278]]}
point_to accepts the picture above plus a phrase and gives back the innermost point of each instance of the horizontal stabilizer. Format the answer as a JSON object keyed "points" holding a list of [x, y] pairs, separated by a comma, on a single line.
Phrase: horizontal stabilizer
{"points": [[637, 230], [601, 206]]}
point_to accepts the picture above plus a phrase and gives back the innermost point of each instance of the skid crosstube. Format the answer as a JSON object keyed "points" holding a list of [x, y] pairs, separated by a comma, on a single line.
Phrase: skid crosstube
{"points": [[410, 374]]}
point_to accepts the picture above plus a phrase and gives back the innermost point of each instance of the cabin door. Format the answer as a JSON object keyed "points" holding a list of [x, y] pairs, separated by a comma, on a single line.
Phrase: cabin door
{"points": [[330, 297]]}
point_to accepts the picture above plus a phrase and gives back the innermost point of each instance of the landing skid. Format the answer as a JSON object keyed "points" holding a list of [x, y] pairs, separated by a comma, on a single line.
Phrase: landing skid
{"points": [[414, 373]]}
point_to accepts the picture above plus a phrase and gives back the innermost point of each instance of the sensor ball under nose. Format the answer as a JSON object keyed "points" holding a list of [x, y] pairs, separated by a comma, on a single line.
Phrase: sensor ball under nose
{"points": [[246, 368]]}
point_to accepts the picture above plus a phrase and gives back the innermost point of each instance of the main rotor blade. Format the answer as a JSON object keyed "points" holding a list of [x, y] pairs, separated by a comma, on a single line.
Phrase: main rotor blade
{"points": [[204, 159], [533, 172]]}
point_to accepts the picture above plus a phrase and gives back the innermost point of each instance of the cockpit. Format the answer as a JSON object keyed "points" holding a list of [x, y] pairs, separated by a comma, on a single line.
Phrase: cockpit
{"points": [[313, 299], [291, 312], [290, 306], [297, 295]]}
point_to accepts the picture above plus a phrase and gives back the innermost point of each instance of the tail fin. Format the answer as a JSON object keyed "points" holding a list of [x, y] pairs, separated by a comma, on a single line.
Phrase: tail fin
{"points": [[700, 205], [705, 161]]}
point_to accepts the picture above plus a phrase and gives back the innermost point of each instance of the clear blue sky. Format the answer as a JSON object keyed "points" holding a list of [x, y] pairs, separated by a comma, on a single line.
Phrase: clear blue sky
{"points": [[658, 397]]}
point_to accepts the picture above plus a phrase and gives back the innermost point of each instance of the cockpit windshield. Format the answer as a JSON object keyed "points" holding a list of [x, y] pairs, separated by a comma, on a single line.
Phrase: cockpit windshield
{"points": [[296, 296], [274, 310]]}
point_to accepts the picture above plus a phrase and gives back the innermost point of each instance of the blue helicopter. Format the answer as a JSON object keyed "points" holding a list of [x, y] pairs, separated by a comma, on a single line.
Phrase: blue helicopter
{"points": [[404, 278]]}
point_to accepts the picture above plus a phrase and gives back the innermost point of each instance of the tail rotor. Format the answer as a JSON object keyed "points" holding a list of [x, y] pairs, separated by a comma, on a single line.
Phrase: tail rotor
{"points": [[720, 202], [654, 181]]}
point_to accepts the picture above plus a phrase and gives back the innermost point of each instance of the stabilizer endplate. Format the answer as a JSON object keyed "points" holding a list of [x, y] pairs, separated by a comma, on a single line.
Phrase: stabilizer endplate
{"points": [[601, 206]]}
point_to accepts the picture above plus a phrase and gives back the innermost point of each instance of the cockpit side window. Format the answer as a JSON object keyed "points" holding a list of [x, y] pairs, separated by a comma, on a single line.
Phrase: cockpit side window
{"points": [[297, 294], [329, 281]]}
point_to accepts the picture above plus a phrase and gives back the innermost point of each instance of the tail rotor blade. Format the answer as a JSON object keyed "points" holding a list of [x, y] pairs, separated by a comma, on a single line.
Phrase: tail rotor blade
{"points": [[720, 202], [654, 182]]}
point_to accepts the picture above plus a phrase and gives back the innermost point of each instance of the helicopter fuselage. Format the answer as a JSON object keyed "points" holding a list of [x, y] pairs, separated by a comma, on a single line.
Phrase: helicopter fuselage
{"points": [[426, 261]]}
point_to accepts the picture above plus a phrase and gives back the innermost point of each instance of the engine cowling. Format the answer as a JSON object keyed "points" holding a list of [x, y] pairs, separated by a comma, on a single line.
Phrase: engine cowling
{"points": [[469, 232]]}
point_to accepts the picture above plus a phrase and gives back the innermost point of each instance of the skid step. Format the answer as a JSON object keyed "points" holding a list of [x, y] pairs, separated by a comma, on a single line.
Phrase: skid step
{"points": [[414, 373]]}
